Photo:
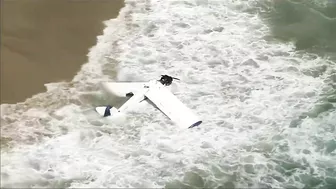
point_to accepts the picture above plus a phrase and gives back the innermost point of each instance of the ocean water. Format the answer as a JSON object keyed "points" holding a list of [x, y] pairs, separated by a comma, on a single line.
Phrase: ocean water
{"points": [[267, 102]]}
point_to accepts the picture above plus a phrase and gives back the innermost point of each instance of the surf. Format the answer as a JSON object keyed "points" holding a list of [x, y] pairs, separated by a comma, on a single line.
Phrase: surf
{"points": [[248, 90]]}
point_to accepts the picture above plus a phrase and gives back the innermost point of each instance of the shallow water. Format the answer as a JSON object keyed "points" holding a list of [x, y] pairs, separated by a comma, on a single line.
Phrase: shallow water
{"points": [[47, 41], [267, 108]]}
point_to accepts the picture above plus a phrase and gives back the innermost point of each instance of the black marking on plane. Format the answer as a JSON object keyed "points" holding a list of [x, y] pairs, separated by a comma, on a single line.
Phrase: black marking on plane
{"points": [[130, 94], [107, 111]]}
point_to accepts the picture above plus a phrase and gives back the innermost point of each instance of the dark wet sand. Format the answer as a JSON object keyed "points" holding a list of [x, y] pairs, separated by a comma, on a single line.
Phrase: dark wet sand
{"points": [[45, 41]]}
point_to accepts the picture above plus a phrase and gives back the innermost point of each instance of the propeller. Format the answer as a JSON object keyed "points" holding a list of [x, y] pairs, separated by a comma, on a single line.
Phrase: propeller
{"points": [[167, 80]]}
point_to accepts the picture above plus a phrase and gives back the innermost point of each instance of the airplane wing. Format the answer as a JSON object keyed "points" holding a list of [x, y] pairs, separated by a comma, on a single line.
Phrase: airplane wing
{"points": [[171, 106], [122, 88]]}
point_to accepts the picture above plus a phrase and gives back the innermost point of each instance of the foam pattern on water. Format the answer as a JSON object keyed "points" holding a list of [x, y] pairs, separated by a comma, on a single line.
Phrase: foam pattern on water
{"points": [[253, 98]]}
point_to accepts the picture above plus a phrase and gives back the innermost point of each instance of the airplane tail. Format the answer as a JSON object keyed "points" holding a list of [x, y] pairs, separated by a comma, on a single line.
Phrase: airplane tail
{"points": [[106, 110]]}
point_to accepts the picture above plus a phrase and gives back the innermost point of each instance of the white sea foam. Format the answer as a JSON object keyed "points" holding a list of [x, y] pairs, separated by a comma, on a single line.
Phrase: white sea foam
{"points": [[247, 90]]}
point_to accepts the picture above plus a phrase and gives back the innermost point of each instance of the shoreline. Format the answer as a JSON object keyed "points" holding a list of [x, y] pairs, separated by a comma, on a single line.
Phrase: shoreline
{"points": [[47, 41]]}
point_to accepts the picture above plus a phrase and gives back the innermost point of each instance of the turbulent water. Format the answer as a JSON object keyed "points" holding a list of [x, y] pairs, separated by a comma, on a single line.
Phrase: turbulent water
{"points": [[262, 80]]}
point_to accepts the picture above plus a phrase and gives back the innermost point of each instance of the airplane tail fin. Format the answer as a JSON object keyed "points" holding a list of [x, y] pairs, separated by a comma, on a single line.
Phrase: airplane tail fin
{"points": [[106, 110]]}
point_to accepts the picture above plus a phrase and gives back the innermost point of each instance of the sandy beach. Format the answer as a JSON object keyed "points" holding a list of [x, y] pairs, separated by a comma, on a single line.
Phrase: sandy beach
{"points": [[45, 41]]}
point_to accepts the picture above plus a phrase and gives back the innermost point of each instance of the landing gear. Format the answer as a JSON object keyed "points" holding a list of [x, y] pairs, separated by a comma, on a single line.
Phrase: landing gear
{"points": [[167, 80]]}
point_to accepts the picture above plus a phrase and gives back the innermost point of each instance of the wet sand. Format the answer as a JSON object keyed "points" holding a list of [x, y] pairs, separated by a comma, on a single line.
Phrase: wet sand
{"points": [[45, 41]]}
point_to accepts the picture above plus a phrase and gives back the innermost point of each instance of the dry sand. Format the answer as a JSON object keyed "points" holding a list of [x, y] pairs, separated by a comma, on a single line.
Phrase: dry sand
{"points": [[45, 41]]}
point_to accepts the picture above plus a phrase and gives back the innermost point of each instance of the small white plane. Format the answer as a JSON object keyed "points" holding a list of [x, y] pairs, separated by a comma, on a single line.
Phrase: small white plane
{"points": [[155, 91]]}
